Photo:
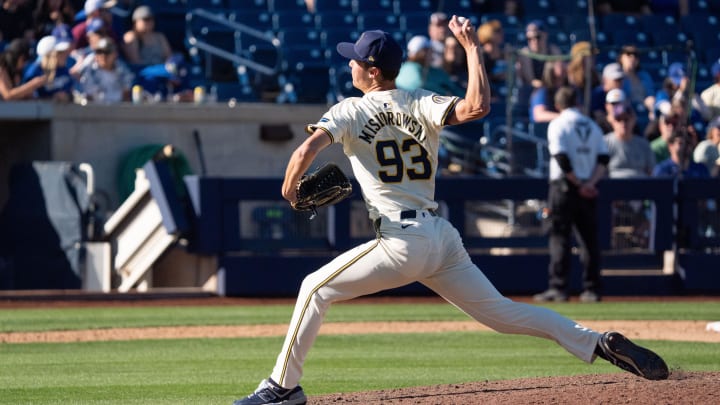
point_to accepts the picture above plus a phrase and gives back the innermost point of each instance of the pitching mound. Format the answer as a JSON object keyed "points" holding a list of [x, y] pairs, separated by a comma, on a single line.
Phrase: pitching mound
{"points": [[622, 388]]}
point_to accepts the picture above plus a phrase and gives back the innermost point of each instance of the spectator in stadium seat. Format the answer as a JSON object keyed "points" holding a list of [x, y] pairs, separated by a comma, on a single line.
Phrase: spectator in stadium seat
{"points": [[530, 70], [491, 38], [50, 14], [676, 88], [143, 45], [707, 151], [680, 161], [85, 56], [582, 62], [437, 32], [94, 9], [638, 85], [630, 154], [107, 79], [542, 104], [711, 95], [12, 62], [612, 78], [52, 64], [416, 71]]}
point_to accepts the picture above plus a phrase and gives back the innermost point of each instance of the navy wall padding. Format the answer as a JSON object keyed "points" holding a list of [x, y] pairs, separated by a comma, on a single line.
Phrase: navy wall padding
{"points": [[41, 226], [173, 206]]}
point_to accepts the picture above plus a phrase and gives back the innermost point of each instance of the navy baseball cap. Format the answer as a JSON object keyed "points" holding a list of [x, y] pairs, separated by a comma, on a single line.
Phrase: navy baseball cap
{"points": [[377, 48]]}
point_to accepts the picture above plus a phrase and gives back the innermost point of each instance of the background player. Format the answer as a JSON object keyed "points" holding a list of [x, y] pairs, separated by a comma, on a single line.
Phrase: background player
{"points": [[391, 137]]}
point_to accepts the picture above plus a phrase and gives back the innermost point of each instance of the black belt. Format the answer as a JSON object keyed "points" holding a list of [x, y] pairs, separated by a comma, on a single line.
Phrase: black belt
{"points": [[410, 214], [407, 214]]}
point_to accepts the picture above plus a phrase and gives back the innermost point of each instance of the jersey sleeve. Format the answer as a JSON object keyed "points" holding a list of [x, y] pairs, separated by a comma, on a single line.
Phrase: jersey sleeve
{"points": [[336, 123], [438, 108]]}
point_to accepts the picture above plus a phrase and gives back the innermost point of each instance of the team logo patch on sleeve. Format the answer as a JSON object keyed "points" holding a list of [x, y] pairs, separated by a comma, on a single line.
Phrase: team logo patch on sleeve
{"points": [[440, 99], [324, 120]]}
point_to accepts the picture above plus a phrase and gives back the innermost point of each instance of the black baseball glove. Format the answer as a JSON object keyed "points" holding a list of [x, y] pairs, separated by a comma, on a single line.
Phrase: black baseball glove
{"points": [[326, 186]]}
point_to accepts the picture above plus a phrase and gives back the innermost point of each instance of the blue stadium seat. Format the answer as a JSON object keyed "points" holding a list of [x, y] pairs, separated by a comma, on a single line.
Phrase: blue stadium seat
{"points": [[259, 20], [287, 5], [249, 5], [615, 21], [333, 5], [709, 39], [424, 6], [379, 20], [336, 19], [697, 25], [669, 36], [230, 90], [205, 4], [162, 6], [285, 19], [331, 37], [341, 83], [712, 55], [298, 57], [415, 22], [537, 7], [373, 6], [575, 8], [458, 7], [312, 83], [300, 37], [629, 36]]}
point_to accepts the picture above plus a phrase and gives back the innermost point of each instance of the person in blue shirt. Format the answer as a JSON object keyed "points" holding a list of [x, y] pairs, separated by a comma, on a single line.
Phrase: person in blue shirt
{"points": [[680, 161], [52, 63]]}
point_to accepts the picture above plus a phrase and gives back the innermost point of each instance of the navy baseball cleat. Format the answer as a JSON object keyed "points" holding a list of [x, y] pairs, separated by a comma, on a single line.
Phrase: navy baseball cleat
{"points": [[620, 351], [268, 392]]}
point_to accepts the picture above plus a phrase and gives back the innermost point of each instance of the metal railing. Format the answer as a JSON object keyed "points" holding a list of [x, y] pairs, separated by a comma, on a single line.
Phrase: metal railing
{"points": [[243, 54]]}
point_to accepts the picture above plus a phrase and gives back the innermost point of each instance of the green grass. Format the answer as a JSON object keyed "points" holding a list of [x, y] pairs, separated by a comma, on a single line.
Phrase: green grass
{"points": [[215, 371], [15, 320]]}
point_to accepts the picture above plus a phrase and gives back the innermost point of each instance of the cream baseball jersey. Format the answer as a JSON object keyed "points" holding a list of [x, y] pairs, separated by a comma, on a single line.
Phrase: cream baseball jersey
{"points": [[391, 138]]}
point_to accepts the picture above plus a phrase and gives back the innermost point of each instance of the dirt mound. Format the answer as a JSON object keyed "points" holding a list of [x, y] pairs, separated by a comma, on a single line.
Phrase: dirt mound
{"points": [[680, 388]]}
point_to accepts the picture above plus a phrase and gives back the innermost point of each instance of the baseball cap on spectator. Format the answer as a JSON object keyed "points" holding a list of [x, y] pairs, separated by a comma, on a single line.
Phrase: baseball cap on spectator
{"points": [[676, 72], [93, 5], [377, 48], [615, 96], [418, 43], [48, 44], [714, 123], [45, 45], [613, 71], [715, 69], [104, 45], [438, 18], [94, 25], [142, 13]]}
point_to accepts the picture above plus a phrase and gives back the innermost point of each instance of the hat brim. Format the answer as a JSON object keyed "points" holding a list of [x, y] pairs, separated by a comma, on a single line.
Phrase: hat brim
{"points": [[347, 49]]}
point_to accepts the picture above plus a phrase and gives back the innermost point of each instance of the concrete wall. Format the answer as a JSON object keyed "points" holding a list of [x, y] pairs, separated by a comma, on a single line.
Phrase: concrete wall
{"points": [[102, 134]]}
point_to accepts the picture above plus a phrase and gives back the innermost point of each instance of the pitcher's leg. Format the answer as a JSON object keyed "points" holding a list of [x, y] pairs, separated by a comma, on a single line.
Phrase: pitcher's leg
{"points": [[360, 271], [472, 292]]}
